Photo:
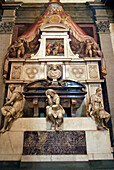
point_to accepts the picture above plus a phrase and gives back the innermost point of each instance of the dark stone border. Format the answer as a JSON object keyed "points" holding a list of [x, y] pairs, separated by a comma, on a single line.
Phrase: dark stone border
{"points": [[90, 165]]}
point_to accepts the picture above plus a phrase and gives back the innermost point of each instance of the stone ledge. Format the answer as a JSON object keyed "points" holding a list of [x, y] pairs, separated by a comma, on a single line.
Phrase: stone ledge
{"points": [[29, 124], [71, 58], [79, 124], [12, 157], [100, 156], [68, 158], [53, 158], [39, 124]]}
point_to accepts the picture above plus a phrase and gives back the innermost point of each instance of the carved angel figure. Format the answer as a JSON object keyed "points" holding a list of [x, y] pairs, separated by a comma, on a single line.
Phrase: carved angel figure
{"points": [[95, 51], [88, 50], [13, 108], [54, 111], [96, 110]]}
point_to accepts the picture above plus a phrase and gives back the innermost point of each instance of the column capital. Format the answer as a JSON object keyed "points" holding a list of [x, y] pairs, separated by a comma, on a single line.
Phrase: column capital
{"points": [[6, 27], [103, 26]]}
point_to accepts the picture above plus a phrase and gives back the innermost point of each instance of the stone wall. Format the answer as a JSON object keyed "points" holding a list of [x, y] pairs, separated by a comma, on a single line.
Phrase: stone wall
{"points": [[80, 13]]}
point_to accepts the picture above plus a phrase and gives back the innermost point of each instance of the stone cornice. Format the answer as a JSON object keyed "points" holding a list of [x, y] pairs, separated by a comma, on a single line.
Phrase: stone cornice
{"points": [[46, 1], [14, 5]]}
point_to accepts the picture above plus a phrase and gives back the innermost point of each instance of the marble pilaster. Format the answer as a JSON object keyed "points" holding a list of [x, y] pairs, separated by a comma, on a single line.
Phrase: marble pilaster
{"points": [[102, 23], [6, 30]]}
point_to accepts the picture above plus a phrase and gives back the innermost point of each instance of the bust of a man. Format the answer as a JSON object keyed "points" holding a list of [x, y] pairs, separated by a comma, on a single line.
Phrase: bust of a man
{"points": [[54, 73]]}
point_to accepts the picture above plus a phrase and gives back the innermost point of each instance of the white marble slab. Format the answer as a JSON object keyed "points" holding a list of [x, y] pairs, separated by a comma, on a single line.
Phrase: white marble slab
{"points": [[53, 158], [100, 156], [10, 157], [11, 143], [36, 158], [98, 142], [29, 124], [39, 124], [84, 123]]}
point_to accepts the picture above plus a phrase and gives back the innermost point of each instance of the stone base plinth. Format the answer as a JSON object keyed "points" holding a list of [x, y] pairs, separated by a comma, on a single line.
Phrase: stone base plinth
{"points": [[98, 146]]}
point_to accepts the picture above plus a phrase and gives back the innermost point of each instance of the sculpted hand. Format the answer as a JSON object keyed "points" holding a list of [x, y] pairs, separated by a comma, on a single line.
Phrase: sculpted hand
{"points": [[48, 96], [6, 104]]}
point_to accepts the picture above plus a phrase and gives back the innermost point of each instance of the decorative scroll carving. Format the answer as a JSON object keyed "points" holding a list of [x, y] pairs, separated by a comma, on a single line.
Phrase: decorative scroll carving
{"points": [[54, 111], [96, 110], [16, 73], [6, 27], [31, 72], [93, 71], [103, 26], [13, 108], [77, 72]]}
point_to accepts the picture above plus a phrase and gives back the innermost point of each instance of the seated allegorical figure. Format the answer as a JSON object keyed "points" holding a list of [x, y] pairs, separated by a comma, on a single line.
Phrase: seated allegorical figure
{"points": [[13, 108], [54, 111], [96, 110]]}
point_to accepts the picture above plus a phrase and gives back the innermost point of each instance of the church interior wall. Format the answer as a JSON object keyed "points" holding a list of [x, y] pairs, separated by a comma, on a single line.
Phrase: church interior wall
{"points": [[84, 14]]}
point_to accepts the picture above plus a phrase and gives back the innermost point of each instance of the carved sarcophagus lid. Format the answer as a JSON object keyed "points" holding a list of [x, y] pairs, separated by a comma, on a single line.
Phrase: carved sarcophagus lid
{"points": [[72, 90]]}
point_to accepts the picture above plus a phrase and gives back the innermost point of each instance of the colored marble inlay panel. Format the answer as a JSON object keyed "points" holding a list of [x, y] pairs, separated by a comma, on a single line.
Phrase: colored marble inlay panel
{"points": [[54, 143]]}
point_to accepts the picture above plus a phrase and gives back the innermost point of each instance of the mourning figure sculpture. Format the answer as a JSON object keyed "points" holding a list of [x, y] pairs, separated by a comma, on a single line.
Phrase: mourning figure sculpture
{"points": [[54, 110]]}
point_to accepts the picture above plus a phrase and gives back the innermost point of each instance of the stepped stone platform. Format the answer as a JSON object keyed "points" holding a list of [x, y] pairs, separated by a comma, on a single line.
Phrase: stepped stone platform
{"points": [[79, 140]]}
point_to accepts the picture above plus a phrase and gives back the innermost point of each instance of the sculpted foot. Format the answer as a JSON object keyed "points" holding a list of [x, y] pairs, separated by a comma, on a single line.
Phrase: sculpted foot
{"points": [[2, 130], [105, 128]]}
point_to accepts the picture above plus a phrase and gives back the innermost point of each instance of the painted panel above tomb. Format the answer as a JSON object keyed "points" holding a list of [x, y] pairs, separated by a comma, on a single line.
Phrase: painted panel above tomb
{"points": [[54, 47]]}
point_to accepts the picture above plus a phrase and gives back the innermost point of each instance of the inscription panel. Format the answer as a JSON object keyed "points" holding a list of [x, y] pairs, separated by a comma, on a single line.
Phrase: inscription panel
{"points": [[54, 143]]}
